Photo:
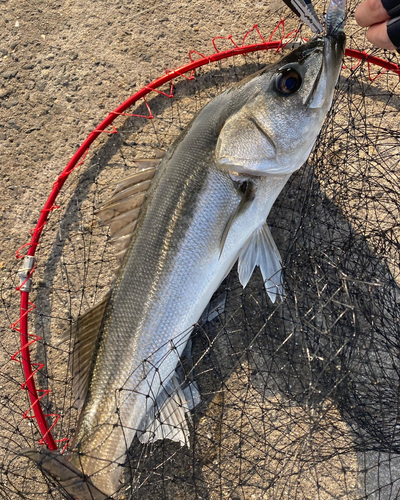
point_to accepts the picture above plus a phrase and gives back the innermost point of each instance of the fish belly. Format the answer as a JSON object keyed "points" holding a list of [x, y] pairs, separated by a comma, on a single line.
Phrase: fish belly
{"points": [[174, 266]]}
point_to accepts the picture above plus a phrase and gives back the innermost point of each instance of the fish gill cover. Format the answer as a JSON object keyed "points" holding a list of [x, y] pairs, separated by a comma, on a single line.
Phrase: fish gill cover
{"points": [[297, 399]]}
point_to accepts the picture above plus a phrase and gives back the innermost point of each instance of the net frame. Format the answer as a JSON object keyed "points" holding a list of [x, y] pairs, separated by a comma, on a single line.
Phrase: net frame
{"points": [[23, 355]]}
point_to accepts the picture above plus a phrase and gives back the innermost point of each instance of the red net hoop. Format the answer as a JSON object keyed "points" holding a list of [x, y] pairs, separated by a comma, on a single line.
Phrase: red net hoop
{"points": [[47, 421], [77, 160]]}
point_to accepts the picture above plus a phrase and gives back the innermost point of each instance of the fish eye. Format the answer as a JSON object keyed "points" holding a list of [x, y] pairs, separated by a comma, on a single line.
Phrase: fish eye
{"points": [[288, 81]]}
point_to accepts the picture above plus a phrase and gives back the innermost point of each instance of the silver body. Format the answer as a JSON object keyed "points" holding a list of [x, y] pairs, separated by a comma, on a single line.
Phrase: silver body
{"points": [[175, 263]]}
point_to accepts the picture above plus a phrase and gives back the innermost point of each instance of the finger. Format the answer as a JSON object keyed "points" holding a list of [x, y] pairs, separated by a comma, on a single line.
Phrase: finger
{"points": [[370, 12], [378, 36]]}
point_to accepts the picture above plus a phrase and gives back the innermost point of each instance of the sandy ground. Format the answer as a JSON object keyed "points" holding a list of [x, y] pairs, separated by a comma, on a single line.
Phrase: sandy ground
{"points": [[63, 66]]}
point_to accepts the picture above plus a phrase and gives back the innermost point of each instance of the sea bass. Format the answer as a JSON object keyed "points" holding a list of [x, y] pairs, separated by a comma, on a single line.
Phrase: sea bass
{"points": [[205, 209]]}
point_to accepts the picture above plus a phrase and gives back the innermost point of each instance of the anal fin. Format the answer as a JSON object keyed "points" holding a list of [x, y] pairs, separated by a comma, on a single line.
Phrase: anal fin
{"points": [[168, 414], [261, 250]]}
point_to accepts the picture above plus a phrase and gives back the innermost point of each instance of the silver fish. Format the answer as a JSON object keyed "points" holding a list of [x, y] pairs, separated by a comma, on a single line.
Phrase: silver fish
{"points": [[205, 209]]}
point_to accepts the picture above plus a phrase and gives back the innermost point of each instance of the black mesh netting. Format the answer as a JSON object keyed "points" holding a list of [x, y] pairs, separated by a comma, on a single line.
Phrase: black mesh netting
{"points": [[299, 400]]}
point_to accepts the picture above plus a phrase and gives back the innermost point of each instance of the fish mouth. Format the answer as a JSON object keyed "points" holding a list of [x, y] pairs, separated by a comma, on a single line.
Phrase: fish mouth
{"points": [[332, 54], [334, 46]]}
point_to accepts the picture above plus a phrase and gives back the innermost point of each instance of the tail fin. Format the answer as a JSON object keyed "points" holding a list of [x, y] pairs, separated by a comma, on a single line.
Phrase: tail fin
{"points": [[70, 478]]}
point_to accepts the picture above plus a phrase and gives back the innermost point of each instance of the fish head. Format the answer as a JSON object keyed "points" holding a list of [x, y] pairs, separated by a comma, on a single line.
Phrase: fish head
{"points": [[284, 107], [303, 82]]}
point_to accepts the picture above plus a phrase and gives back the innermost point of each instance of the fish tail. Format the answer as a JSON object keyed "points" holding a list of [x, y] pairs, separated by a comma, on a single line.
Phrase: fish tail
{"points": [[65, 473]]}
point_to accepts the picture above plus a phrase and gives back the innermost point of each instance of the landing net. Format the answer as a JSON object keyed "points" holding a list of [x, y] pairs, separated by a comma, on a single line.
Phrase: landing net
{"points": [[298, 400]]}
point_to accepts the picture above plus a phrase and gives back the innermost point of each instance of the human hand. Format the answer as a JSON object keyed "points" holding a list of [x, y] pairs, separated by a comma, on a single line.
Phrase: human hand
{"points": [[382, 18]]}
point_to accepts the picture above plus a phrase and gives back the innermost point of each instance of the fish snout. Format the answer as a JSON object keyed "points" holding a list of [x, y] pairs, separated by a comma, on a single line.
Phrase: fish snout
{"points": [[334, 46]]}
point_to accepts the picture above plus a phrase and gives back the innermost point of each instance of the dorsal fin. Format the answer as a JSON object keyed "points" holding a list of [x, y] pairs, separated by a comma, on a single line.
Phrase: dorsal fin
{"points": [[140, 187], [86, 332], [159, 153], [119, 223], [110, 210], [121, 211], [140, 176], [121, 243]]}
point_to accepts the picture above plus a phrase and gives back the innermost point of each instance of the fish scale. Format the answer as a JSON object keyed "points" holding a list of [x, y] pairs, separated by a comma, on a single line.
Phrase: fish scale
{"points": [[183, 204], [175, 264], [205, 209]]}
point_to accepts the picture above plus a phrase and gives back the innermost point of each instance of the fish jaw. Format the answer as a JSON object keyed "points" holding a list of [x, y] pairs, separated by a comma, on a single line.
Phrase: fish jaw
{"points": [[321, 95], [334, 52]]}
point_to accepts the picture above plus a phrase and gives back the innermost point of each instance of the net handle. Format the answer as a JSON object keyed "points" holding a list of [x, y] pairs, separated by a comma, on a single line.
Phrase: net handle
{"points": [[78, 158]]}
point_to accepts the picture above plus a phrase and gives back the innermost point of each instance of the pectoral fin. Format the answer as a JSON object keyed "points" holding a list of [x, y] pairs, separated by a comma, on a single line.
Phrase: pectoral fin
{"points": [[261, 251], [248, 190]]}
